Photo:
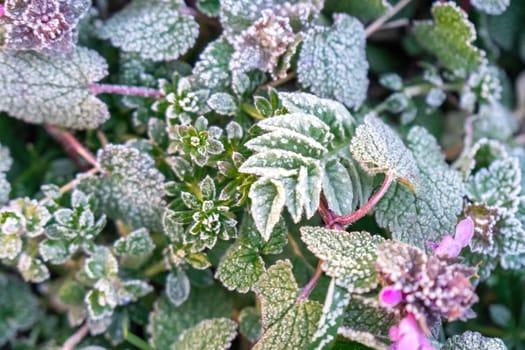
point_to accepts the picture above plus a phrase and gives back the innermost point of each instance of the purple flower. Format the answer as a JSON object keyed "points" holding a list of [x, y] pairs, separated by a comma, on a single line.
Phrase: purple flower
{"points": [[450, 247], [42, 25], [390, 296], [408, 336]]}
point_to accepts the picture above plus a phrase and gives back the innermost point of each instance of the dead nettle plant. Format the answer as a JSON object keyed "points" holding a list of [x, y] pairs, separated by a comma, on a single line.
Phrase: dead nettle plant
{"points": [[226, 218]]}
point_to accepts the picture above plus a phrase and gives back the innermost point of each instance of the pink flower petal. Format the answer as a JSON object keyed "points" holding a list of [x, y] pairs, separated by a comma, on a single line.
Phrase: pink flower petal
{"points": [[2, 11], [464, 231], [448, 248], [389, 296]]}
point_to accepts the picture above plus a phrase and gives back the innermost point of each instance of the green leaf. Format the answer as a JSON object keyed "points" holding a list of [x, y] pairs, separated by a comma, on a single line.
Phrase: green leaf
{"points": [[212, 70], [321, 56], [336, 302], [137, 243], [131, 188], [349, 257], [380, 150], [364, 10], [40, 89], [213, 334], [432, 211], [10, 246], [101, 300], [222, 103], [18, 309], [335, 179], [55, 251], [492, 7], [498, 186], [250, 324], [473, 341], [367, 322], [288, 323], [102, 264], [209, 7], [177, 287], [240, 268], [154, 29], [267, 197], [32, 269], [167, 322], [5, 165], [450, 38]]}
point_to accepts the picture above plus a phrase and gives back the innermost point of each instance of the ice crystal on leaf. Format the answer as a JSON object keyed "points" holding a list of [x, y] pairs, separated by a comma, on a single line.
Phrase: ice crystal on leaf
{"points": [[155, 29], [473, 341], [450, 38], [39, 89], [337, 52], [432, 210], [492, 7], [288, 323], [215, 333], [130, 189], [48, 26], [5, 165]]}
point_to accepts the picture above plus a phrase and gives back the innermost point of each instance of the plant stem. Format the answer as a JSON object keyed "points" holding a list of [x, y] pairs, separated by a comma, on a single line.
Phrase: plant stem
{"points": [[76, 338], [155, 269], [71, 184], [381, 20], [358, 214], [287, 78], [307, 289], [125, 90], [136, 341], [72, 146]]}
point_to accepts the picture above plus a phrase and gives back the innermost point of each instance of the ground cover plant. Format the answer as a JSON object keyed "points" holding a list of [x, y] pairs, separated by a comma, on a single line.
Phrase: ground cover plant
{"points": [[262, 174]]}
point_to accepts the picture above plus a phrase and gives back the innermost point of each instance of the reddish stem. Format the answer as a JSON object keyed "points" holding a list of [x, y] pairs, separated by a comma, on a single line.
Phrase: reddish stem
{"points": [[125, 90], [465, 5], [72, 146], [358, 214], [307, 289]]}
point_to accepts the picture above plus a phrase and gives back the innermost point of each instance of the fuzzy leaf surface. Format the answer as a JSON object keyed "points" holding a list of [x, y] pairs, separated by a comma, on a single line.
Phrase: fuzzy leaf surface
{"points": [[39, 89], [213, 334], [450, 38], [288, 323], [347, 256], [154, 29], [432, 211], [492, 7], [473, 341], [322, 54]]}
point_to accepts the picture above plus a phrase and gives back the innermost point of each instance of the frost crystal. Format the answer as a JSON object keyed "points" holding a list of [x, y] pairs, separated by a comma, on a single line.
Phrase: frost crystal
{"points": [[42, 25], [333, 63], [5, 164], [216, 333], [473, 341], [492, 7]]}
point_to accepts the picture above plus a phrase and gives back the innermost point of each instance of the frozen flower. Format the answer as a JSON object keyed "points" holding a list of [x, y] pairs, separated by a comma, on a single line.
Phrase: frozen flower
{"points": [[426, 286], [42, 25], [450, 247], [408, 336]]}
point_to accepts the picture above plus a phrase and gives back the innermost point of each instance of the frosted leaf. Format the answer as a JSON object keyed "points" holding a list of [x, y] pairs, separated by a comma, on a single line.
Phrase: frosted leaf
{"points": [[101, 300], [392, 81], [349, 257], [480, 155], [367, 322], [364, 10], [32, 269], [131, 290], [10, 246], [213, 334], [250, 324], [339, 53], [222, 103], [138, 243], [450, 38], [167, 322], [38, 89], [495, 122], [336, 181], [48, 26], [177, 287], [209, 7], [432, 211], [288, 323], [510, 240], [483, 86], [240, 268], [336, 302], [5, 164], [498, 185], [154, 29], [235, 15], [54, 251], [19, 308], [102, 264], [492, 7], [473, 341], [435, 97], [131, 188], [212, 70], [380, 150]]}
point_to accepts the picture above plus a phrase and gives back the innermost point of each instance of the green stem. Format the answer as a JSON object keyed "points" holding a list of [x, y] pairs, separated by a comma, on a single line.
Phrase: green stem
{"points": [[155, 269], [138, 342], [251, 111]]}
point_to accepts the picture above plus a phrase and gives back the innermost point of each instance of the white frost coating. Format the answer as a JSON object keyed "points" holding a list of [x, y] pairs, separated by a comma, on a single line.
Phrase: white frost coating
{"points": [[268, 200], [333, 62], [154, 29], [216, 333], [492, 7], [39, 89]]}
